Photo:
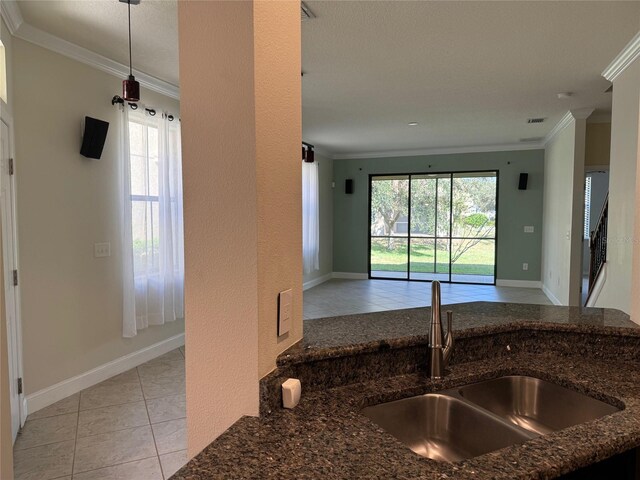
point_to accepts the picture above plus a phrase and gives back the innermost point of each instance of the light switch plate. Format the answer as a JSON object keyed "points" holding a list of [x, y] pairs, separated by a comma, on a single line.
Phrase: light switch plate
{"points": [[528, 229], [284, 312], [101, 250], [525, 266]]}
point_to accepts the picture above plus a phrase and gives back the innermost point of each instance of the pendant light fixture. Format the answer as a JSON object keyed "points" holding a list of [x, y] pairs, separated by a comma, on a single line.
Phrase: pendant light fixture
{"points": [[130, 87]]}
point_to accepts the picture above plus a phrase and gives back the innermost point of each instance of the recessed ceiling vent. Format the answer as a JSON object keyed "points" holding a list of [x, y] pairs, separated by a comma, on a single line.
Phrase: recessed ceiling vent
{"points": [[535, 120], [305, 12], [531, 140]]}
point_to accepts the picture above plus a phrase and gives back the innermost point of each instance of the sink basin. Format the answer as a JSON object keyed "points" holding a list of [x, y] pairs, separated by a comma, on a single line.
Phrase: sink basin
{"points": [[536, 405], [472, 420], [444, 428]]}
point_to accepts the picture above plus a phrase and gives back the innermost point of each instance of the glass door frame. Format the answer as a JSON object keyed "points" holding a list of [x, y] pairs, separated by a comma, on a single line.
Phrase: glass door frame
{"points": [[435, 239]]}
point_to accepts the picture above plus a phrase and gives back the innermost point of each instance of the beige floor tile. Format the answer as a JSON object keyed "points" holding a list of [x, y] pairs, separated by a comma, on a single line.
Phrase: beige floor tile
{"points": [[172, 462], [155, 387], [66, 405], [47, 430], [113, 448], [167, 365], [167, 408], [130, 376], [148, 469], [170, 436], [108, 393], [111, 419], [44, 463]]}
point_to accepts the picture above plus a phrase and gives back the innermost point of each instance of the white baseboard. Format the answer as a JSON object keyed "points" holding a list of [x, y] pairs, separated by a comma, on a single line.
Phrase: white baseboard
{"points": [[316, 281], [350, 275], [519, 283], [50, 395], [550, 295]]}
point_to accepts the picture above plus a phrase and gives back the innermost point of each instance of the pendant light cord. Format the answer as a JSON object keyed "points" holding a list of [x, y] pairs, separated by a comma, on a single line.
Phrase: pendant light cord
{"points": [[130, 64]]}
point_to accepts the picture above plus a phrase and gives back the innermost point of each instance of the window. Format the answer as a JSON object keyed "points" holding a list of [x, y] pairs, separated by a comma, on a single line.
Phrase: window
{"points": [[145, 202], [434, 226], [587, 208], [153, 245]]}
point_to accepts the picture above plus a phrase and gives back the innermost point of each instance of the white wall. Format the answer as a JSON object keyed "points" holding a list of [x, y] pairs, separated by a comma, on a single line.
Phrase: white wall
{"points": [[71, 301], [562, 213], [623, 235], [325, 180]]}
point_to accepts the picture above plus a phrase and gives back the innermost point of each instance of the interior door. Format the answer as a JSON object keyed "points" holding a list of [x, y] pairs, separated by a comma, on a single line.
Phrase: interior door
{"points": [[9, 260]]}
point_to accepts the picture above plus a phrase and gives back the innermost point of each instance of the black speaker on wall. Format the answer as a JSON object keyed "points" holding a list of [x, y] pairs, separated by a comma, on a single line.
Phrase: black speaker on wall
{"points": [[95, 134], [522, 183], [348, 186]]}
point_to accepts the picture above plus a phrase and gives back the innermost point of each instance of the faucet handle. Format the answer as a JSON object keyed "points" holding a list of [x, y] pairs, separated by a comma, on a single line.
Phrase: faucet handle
{"points": [[448, 348]]}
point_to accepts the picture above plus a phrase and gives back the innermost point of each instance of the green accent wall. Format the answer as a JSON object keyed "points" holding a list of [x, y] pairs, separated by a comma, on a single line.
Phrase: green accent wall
{"points": [[516, 208]]}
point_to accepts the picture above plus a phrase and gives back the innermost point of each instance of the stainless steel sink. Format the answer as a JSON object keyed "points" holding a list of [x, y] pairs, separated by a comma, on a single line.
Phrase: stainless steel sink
{"points": [[444, 428], [537, 405], [475, 419]]}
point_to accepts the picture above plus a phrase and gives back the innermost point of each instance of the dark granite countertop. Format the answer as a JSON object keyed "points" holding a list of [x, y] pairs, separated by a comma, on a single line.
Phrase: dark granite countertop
{"points": [[335, 336], [326, 436]]}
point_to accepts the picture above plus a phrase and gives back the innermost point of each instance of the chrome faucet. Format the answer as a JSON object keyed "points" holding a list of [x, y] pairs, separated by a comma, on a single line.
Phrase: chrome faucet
{"points": [[439, 354]]}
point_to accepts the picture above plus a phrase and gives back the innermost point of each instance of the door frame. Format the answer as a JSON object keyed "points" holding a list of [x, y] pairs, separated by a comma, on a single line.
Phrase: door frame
{"points": [[409, 175], [14, 345]]}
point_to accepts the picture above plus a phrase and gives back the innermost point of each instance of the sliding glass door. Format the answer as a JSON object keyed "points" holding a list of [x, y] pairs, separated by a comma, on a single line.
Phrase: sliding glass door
{"points": [[428, 227]]}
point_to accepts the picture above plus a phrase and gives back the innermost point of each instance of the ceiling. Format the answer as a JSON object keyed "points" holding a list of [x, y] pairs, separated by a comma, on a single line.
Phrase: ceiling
{"points": [[101, 26], [470, 73]]}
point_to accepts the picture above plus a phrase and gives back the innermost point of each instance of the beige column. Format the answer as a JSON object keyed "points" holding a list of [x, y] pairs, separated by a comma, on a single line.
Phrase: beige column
{"points": [[241, 125]]}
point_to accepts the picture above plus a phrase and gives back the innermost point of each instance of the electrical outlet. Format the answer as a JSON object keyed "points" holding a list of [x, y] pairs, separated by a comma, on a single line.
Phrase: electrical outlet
{"points": [[101, 250], [284, 312], [525, 266], [528, 229]]}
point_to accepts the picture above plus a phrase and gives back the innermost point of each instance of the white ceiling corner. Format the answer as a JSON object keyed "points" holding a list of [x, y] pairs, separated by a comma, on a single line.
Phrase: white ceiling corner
{"points": [[565, 121], [625, 58], [11, 15], [25, 17]]}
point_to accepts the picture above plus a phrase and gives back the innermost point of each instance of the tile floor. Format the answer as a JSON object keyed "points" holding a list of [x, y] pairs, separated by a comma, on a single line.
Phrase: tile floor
{"points": [[345, 297], [129, 427], [133, 426]]}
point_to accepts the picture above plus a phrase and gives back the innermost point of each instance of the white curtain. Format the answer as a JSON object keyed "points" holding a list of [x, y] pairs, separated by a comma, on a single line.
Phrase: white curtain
{"points": [[310, 217], [151, 220]]}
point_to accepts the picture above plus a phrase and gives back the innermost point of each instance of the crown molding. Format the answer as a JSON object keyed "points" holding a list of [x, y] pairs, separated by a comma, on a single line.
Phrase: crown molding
{"points": [[625, 58], [582, 113], [441, 151], [564, 122], [11, 14], [20, 29]]}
